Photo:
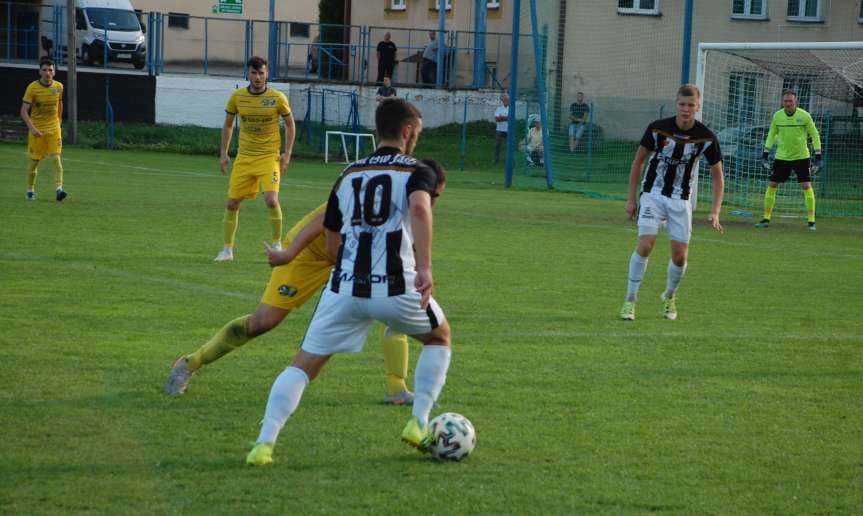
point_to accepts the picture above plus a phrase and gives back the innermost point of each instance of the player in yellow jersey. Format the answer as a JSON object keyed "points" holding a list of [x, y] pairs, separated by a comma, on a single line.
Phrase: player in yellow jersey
{"points": [[299, 271], [789, 129], [261, 160], [41, 111]]}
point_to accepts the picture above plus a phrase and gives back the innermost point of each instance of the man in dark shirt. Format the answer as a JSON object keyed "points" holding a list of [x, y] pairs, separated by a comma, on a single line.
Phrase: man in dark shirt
{"points": [[385, 91], [578, 117], [386, 58]]}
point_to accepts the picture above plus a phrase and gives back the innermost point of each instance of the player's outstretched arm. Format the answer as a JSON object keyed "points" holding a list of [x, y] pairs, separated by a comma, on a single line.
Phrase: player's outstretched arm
{"points": [[25, 115], [225, 144], [718, 178], [421, 221], [290, 132], [634, 178], [310, 231]]}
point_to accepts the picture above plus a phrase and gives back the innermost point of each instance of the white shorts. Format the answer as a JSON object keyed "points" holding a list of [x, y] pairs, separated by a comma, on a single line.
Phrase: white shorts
{"points": [[341, 322], [657, 210]]}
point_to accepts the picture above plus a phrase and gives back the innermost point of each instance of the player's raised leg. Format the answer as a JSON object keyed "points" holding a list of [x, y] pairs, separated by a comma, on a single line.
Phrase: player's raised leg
{"points": [[230, 337]]}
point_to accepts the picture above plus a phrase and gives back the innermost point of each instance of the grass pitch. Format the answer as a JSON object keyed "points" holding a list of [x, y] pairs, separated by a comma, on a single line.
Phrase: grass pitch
{"points": [[749, 403]]}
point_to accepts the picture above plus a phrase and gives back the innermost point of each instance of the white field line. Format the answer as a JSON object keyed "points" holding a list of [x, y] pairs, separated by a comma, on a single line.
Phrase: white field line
{"points": [[139, 277], [648, 334]]}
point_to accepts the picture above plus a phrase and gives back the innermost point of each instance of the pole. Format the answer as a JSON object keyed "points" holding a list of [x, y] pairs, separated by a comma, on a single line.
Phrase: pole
{"points": [[273, 60], [441, 24], [687, 43], [71, 73], [479, 29], [513, 89], [540, 84]]}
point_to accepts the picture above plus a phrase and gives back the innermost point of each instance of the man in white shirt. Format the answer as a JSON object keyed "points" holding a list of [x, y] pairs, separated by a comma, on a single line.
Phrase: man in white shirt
{"points": [[428, 71], [501, 117]]}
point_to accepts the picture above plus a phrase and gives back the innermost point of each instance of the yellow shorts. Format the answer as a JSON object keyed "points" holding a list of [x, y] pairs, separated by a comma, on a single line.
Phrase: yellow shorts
{"points": [[45, 145], [252, 174], [293, 284]]}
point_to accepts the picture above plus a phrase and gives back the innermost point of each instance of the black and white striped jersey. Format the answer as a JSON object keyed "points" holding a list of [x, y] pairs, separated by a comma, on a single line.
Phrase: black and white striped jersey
{"points": [[675, 155], [368, 206]]}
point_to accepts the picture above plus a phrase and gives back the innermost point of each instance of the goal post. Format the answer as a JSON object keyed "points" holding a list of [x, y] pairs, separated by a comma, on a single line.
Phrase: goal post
{"points": [[742, 85]]}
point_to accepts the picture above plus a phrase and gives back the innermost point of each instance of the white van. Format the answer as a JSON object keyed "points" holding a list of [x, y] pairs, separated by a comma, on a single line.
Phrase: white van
{"points": [[94, 19]]}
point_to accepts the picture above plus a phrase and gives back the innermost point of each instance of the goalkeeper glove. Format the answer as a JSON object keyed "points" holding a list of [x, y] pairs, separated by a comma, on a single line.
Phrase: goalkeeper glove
{"points": [[816, 163], [765, 160]]}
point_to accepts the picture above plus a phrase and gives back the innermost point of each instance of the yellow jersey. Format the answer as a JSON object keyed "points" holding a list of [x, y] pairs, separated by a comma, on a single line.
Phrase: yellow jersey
{"points": [[259, 119], [318, 246], [44, 105]]}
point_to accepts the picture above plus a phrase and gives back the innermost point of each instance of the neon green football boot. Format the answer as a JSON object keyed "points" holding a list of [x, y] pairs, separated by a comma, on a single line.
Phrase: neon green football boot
{"points": [[627, 312], [416, 436], [261, 454], [669, 307]]}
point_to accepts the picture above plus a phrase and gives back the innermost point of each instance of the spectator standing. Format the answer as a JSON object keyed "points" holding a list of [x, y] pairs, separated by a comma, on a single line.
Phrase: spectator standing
{"points": [[579, 112], [386, 58], [430, 61], [501, 118], [385, 91]]}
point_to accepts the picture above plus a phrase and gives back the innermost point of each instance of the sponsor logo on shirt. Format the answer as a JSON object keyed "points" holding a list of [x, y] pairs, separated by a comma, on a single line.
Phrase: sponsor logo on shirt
{"points": [[288, 291]]}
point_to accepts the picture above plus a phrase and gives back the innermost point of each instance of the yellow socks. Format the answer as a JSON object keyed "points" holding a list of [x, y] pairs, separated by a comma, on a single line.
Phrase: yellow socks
{"points": [[395, 362], [230, 224], [809, 197], [31, 174], [276, 222], [58, 170], [769, 201], [230, 337]]}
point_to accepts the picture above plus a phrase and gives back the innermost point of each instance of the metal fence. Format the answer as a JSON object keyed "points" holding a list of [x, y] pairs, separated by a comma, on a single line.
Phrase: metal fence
{"points": [[178, 43]]}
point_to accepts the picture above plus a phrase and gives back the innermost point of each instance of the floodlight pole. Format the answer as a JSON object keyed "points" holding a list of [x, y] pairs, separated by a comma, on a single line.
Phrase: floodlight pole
{"points": [[273, 43], [540, 85], [71, 72], [441, 49], [687, 43], [513, 88]]}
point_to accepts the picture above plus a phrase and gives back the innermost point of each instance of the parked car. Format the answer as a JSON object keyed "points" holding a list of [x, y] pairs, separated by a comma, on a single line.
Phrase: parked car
{"points": [[742, 147], [95, 21]]}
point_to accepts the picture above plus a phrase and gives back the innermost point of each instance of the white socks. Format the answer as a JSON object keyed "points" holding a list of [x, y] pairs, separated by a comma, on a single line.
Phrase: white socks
{"points": [[429, 378], [284, 397], [637, 266], [675, 274]]}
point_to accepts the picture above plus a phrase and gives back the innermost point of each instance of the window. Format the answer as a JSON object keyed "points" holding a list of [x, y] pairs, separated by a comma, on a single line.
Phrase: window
{"points": [[804, 10], [638, 6], [398, 5], [493, 4], [802, 85], [178, 20], [860, 18], [743, 88], [748, 9], [299, 30], [448, 5]]}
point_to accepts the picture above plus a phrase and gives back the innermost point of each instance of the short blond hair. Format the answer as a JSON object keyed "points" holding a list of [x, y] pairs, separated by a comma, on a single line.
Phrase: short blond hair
{"points": [[689, 90]]}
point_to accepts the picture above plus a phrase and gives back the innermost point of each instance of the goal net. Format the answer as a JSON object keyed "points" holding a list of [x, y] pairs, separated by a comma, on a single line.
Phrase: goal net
{"points": [[742, 87]]}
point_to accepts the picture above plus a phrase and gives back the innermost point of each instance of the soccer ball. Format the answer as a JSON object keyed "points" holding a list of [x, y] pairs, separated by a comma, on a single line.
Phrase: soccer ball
{"points": [[454, 437]]}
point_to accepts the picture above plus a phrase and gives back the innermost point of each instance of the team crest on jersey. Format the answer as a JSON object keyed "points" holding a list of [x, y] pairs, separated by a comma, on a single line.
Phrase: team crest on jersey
{"points": [[268, 102], [288, 291]]}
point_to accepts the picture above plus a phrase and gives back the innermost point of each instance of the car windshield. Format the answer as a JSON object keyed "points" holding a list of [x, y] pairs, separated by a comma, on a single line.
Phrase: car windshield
{"points": [[113, 19]]}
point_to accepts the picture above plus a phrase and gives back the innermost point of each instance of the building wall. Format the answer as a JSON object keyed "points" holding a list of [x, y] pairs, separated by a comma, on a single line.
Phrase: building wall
{"points": [[226, 32], [629, 66]]}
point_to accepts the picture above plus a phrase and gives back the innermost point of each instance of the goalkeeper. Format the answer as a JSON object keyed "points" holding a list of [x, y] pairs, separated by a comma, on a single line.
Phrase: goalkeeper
{"points": [[789, 129], [299, 272]]}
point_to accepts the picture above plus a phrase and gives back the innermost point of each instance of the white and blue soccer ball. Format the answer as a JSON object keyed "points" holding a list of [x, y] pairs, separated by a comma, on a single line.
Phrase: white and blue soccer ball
{"points": [[454, 437]]}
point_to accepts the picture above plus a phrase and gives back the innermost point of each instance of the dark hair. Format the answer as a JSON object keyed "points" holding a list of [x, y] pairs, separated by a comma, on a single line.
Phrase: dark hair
{"points": [[689, 90], [789, 92], [438, 170], [256, 62], [392, 114], [46, 61]]}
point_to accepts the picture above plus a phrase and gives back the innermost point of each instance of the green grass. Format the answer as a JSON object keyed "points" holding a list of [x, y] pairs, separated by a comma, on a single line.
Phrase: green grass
{"points": [[749, 403]]}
